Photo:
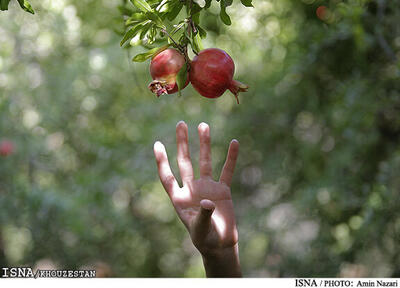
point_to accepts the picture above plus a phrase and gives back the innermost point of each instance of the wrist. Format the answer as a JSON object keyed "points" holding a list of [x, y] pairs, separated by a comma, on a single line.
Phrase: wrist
{"points": [[222, 262]]}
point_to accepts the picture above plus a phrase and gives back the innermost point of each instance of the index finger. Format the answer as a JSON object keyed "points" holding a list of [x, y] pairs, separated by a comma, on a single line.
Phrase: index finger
{"points": [[164, 170]]}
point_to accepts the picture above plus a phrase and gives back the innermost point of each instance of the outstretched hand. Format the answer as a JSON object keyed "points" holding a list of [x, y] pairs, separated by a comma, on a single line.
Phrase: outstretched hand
{"points": [[204, 205]]}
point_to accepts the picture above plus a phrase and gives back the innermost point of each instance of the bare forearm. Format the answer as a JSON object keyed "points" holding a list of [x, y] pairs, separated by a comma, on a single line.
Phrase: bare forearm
{"points": [[223, 263]]}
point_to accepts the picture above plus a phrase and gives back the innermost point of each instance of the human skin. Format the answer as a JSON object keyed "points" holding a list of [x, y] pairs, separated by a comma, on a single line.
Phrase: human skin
{"points": [[204, 205]]}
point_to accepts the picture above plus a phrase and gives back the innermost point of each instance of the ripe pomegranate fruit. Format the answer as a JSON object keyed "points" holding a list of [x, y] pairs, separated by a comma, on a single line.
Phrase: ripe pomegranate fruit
{"points": [[6, 148], [211, 73], [164, 68]]}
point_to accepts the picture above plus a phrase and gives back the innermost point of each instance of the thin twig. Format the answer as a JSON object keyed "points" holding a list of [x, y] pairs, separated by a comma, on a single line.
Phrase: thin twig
{"points": [[178, 27], [183, 50], [187, 59], [193, 26], [191, 23], [173, 41]]}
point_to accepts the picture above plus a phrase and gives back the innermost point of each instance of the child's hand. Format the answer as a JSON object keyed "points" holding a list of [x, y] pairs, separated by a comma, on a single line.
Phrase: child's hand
{"points": [[204, 205]]}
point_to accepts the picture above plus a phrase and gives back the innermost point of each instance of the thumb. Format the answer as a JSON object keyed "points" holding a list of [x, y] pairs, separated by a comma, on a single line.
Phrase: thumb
{"points": [[202, 222]]}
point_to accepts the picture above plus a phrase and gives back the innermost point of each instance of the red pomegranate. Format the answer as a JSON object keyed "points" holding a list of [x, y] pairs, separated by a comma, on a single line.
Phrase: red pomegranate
{"points": [[322, 12], [6, 148], [211, 74], [164, 68]]}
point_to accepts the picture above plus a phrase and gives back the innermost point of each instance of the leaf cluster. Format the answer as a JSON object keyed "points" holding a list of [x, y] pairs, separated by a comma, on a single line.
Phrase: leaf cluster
{"points": [[152, 22]]}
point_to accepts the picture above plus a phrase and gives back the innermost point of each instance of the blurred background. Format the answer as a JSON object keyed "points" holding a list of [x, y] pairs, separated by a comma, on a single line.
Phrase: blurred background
{"points": [[316, 190]]}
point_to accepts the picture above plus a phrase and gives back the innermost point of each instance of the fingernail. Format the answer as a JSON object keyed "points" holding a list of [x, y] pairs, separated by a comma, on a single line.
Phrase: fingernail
{"points": [[203, 125], [158, 146], [180, 122]]}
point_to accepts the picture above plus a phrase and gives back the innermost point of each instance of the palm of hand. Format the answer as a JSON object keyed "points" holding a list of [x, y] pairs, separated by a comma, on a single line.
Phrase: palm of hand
{"points": [[205, 206], [222, 232]]}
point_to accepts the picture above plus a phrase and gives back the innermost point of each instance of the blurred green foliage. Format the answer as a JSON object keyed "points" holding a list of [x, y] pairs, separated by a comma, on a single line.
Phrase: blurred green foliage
{"points": [[316, 190]]}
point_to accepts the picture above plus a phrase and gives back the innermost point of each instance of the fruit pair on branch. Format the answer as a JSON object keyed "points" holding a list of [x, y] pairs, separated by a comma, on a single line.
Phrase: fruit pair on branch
{"points": [[152, 22], [210, 73]]}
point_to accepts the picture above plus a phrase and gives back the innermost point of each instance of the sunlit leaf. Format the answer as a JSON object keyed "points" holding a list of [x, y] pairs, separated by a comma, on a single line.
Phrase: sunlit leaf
{"points": [[142, 5], [197, 43], [151, 36], [26, 6], [149, 54], [175, 10], [133, 31], [162, 5]]}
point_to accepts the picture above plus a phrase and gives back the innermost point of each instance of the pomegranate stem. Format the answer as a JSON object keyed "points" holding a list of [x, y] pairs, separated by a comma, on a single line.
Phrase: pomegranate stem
{"points": [[173, 41]]}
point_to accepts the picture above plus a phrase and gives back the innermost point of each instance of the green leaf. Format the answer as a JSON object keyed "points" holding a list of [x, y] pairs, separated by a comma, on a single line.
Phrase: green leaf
{"points": [[156, 19], [26, 6], [162, 5], [181, 78], [203, 33], [195, 9], [196, 18], [132, 32], [228, 3], [142, 5], [224, 16], [152, 2], [208, 4], [175, 10], [4, 4], [145, 29], [135, 18], [149, 54], [197, 44], [247, 3], [152, 35]]}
